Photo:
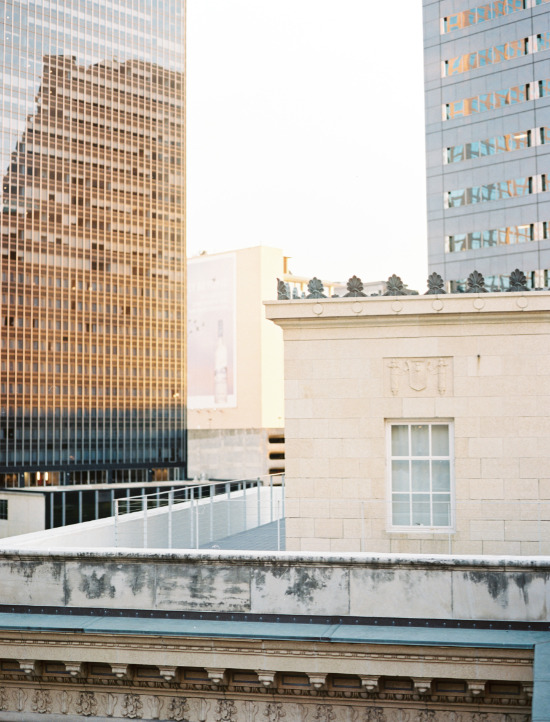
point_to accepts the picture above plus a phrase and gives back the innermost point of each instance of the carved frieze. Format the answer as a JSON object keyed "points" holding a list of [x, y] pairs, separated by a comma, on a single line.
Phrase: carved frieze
{"points": [[419, 376]]}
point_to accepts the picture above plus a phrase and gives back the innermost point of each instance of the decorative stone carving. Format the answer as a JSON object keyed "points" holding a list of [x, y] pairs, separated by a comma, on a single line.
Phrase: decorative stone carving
{"points": [[420, 376], [226, 711], [178, 709], [168, 673], [216, 675], [156, 703], [315, 288], [369, 682], [132, 706], [476, 687], [274, 712], [42, 701], [518, 281], [283, 291], [250, 710], [476, 283], [422, 685], [204, 706], [355, 288], [28, 666], [425, 716], [395, 286], [324, 713], [317, 680], [3, 699], [119, 670], [374, 714], [266, 677], [435, 284], [110, 704], [73, 668], [86, 704], [20, 699], [65, 702]]}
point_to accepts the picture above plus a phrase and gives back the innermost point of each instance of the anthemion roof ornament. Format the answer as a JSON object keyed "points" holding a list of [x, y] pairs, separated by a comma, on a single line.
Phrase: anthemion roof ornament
{"points": [[355, 287], [476, 283], [435, 284], [283, 291], [315, 288], [395, 286], [518, 281]]}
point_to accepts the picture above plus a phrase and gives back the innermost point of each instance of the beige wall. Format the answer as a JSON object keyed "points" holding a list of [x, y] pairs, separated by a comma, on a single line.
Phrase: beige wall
{"points": [[341, 392], [26, 513], [259, 372]]}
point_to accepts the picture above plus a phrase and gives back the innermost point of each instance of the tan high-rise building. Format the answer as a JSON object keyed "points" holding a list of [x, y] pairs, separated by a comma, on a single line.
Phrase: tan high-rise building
{"points": [[92, 341]]}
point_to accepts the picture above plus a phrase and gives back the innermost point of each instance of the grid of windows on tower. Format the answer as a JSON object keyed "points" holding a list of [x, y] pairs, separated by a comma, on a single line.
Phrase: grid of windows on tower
{"points": [[92, 242]]}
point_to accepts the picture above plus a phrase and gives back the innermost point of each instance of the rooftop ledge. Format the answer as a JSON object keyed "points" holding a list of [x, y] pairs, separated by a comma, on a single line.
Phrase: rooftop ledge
{"points": [[303, 558], [509, 304]]}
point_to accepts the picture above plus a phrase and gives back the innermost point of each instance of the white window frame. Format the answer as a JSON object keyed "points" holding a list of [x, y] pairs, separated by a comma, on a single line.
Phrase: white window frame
{"points": [[417, 528]]}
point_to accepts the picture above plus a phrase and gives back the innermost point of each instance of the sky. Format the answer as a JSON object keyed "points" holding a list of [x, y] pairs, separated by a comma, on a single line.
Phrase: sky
{"points": [[305, 131]]}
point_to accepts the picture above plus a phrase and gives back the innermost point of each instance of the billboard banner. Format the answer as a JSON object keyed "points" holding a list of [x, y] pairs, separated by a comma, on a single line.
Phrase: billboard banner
{"points": [[211, 334]]}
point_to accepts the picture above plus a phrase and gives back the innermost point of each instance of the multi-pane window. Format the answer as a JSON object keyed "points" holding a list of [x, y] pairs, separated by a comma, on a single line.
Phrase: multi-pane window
{"points": [[501, 190], [420, 468], [491, 56], [494, 145], [3, 508], [490, 101], [490, 11], [506, 236]]}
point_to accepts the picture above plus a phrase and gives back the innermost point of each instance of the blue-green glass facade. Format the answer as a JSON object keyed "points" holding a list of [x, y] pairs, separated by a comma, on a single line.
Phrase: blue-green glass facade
{"points": [[92, 321]]}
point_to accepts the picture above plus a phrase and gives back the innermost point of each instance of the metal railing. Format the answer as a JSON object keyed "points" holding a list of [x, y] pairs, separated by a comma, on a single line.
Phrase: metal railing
{"points": [[200, 514]]}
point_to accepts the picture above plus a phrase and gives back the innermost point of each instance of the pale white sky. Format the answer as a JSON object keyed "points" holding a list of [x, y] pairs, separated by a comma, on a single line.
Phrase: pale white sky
{"points": [[306, 132]]}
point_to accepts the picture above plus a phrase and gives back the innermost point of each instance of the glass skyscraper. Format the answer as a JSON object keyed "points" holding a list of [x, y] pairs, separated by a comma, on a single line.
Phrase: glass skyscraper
{"points": [[92, 335], [487, 73]]}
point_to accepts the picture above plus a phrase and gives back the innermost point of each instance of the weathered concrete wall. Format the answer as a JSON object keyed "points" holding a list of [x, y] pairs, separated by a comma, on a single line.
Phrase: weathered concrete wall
{"points": [[359, 585]]}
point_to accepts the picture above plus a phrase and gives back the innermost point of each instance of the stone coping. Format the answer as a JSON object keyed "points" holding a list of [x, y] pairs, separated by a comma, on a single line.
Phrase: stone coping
{"points": [[360, 559], [477, 304]]}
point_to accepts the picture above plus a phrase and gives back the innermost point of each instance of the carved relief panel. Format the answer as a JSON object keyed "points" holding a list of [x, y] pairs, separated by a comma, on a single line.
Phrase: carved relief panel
{"points": [[424, 377]]}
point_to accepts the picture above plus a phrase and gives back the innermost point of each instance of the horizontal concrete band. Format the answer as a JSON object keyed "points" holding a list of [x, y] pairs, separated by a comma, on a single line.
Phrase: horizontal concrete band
{"points": [[361, 585]]}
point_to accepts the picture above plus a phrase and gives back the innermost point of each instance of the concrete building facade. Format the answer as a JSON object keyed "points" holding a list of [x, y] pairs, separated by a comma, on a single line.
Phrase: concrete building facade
{"points": [[418, 424], [487, 81]]}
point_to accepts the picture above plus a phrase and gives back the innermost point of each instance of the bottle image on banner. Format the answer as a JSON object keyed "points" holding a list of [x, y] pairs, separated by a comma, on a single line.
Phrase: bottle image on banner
{"points": [[220, 368]]}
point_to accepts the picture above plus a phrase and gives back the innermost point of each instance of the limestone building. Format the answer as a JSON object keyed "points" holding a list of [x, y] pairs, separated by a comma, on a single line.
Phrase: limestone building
{"points": [[418, 424]]}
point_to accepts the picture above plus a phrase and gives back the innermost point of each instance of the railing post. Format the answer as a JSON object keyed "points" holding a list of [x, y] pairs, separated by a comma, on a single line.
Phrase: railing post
{"points": [[283, 492], [212, 493], [191, 511], [278, 527], [228, 490], [259, 502], [271, 498], [144, 505], [116, 523], [170, 506]]}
